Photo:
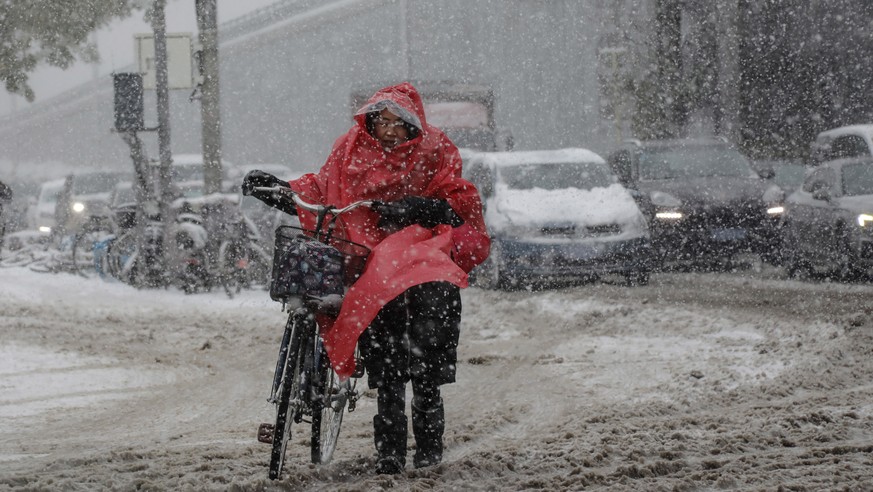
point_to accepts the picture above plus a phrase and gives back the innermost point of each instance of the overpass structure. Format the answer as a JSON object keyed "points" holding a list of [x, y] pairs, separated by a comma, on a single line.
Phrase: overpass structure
{"points": [[288, 70]]}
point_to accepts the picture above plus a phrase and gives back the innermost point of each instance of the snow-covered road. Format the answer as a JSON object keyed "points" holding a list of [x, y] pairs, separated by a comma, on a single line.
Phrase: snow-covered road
{"points": [[696, 382]]}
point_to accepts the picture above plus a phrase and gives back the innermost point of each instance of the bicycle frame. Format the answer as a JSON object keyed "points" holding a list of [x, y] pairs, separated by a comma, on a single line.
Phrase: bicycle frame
{"points": [[303, 382]]}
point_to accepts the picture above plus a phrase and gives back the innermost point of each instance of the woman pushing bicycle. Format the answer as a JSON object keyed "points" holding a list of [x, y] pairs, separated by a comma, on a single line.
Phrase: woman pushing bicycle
{"points": [[426, 232]]}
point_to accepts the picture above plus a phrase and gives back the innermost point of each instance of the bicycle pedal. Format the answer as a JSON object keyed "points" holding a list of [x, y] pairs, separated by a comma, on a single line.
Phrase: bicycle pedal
{"points": [[265, 433]]}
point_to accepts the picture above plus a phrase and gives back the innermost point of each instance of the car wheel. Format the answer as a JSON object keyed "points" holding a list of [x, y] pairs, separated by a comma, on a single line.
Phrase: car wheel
{"points": [[794, 265], [847, 268], [637, 278]]}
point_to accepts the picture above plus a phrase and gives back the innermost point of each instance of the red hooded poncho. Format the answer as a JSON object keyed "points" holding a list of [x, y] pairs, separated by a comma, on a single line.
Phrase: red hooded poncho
{"points": [[358, 168]]}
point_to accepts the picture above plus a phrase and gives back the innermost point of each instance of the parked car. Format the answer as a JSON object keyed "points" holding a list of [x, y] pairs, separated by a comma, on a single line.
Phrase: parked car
{"points": [[556, 215], [701, 197], [828, 222], [42, 214], [842, 142]]}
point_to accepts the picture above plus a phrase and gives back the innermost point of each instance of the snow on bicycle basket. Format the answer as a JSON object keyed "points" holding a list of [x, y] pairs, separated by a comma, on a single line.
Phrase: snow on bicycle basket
{"points": [[305, 267]]}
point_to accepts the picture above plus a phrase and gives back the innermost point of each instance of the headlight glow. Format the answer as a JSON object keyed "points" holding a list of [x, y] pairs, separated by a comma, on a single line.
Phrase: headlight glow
{"points": [[775, 210], [669, 215], [865, 219], [78, 207], [45, 229]]}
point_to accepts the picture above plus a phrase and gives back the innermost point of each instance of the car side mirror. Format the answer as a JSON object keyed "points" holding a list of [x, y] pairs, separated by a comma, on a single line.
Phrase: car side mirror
{"points": [[821, 194], [766, 173]]}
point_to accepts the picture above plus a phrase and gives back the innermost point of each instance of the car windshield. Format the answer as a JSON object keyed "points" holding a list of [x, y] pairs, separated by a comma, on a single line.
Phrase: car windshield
{"points": [[50, 193], [858, 179], [124, 194], [582, 175], [693, 162]]}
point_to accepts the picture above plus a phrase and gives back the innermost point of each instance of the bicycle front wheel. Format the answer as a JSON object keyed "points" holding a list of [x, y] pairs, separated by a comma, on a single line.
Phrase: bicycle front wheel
{"points": [[288, 403], [330, 397]]}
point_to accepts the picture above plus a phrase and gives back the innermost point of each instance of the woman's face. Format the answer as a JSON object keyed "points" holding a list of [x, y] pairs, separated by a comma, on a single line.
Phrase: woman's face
{"points": [[389, 129]]}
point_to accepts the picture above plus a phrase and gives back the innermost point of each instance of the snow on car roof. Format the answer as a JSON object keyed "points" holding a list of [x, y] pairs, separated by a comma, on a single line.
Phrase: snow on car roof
{"points": [[514, 158], [866, 129]]}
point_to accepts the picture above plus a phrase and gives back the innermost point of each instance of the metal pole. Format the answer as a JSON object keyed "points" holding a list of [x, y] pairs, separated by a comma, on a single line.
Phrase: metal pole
{"points": [[727, 107], [162, 91], [210, 114]]}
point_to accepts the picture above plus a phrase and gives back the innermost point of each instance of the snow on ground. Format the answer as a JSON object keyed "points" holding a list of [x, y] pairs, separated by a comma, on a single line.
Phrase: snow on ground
{"points": [[732, 381]]}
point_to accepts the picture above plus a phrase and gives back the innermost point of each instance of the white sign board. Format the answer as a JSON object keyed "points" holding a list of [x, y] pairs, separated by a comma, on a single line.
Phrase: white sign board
{"points": [[180, 73]]}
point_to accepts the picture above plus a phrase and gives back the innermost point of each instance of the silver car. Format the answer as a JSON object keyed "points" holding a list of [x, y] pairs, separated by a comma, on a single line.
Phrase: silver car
{"points": [[828, 223], [556, 215]]}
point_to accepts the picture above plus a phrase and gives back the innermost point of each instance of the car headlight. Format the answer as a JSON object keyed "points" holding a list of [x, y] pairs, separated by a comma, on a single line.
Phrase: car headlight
{"points": [[666, 206], [669, 215], [865, 219], [78, 207], [775, 210]]}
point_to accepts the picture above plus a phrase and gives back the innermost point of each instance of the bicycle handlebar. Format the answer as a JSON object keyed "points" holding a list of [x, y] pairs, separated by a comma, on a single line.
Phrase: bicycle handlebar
{"points": [[312, 207]]}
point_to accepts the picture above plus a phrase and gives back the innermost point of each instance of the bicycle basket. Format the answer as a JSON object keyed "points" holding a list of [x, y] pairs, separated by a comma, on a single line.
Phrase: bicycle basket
{"points": [[304, 266]]}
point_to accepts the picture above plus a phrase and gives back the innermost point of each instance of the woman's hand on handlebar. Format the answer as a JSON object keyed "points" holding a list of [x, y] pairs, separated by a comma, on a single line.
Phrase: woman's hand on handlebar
{"points": [[254, 184], [425, 211], [260, 179]]}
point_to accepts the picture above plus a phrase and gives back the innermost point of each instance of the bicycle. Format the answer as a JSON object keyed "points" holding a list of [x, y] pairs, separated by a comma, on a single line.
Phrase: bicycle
{"points": [[241, 260], [311, 270]]}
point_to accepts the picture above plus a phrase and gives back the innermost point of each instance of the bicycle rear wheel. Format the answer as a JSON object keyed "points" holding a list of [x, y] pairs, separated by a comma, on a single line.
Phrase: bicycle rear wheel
{"points": [[288, 403], [330, 398]]}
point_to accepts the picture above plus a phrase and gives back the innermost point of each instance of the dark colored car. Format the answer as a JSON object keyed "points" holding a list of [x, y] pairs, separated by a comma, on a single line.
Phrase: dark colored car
{"points": [[828, 222], [702, 198]]}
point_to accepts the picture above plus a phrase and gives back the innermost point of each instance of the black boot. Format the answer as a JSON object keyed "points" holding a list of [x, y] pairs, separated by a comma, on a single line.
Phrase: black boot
{"points": [[428, 426], [390, 437]]}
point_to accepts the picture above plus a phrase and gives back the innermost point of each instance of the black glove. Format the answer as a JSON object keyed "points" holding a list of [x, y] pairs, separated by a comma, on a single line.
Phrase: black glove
{"points": [[427, 212], [260, 179]]}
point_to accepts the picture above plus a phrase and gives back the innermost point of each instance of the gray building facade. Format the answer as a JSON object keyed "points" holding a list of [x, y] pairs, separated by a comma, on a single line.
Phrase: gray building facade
{"points": [[557, 68]]}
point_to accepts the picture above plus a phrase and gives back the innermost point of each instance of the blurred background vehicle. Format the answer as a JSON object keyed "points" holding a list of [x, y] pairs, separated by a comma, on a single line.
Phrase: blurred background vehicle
{"points": [[828, 222], [90, 193], [42, 213], [703, 201], [556, 215], [842, 142]]}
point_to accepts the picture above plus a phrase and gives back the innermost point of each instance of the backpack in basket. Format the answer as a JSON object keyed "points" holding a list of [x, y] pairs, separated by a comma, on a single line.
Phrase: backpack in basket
{"points": [[303, 266]]}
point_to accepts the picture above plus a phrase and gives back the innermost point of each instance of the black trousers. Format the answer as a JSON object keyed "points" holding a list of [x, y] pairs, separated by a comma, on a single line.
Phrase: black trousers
{"points": [[414, 337]]}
